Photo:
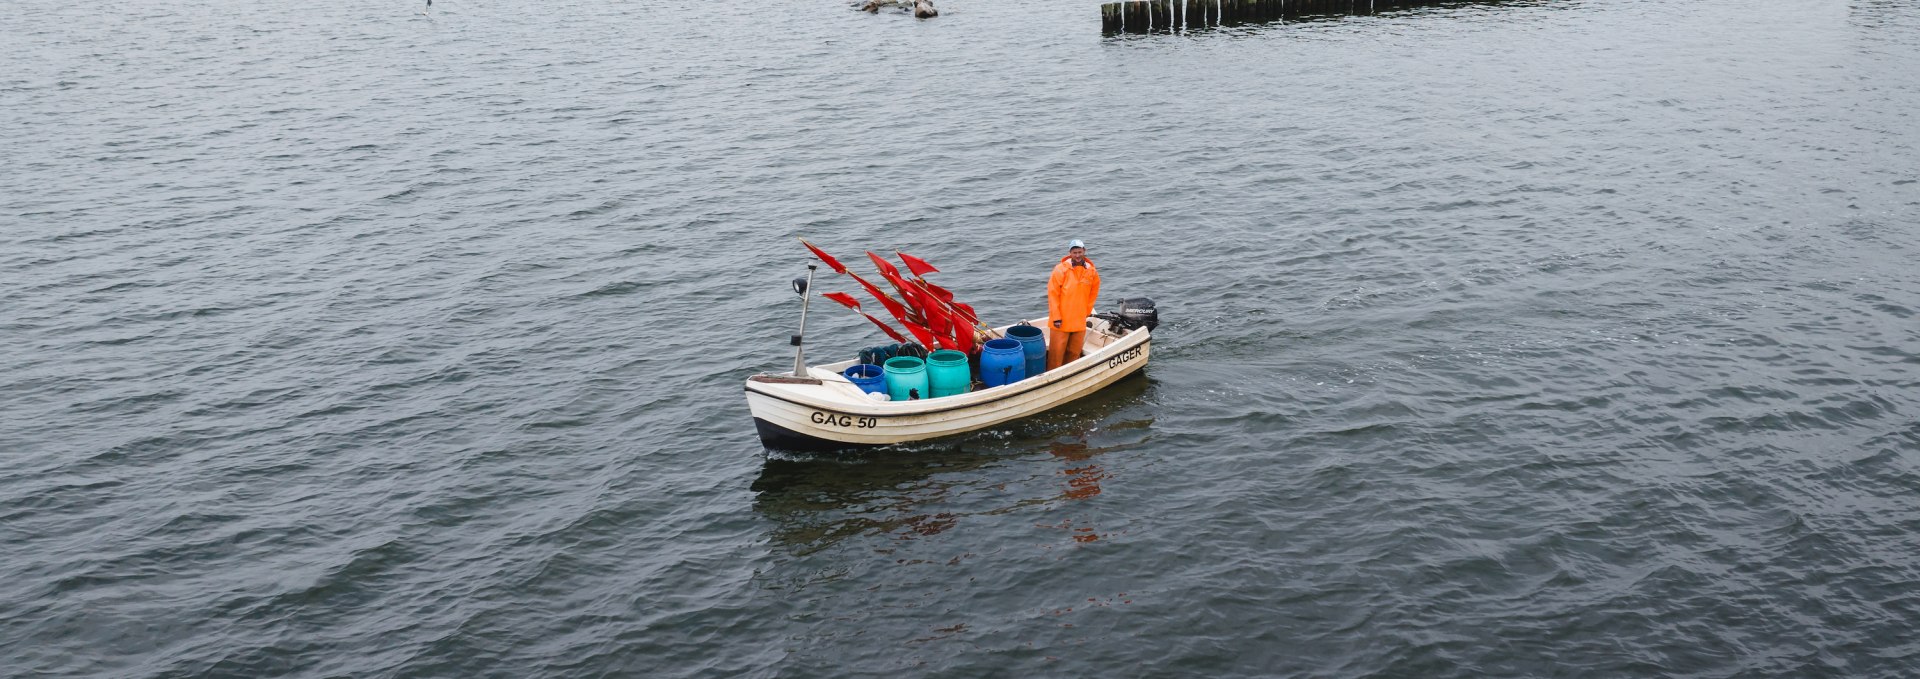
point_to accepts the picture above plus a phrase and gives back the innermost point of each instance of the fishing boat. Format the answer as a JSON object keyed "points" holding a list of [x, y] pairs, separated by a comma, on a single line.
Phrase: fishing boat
{"points": [[817, 408]]}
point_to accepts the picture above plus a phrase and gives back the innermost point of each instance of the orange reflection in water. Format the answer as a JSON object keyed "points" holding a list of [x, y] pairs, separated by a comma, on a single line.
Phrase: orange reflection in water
{"points": [[1083, 481]]}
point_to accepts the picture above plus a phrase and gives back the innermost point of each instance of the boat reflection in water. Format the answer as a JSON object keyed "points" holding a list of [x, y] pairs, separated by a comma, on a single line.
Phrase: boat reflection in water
{"points": [[918, 491]]}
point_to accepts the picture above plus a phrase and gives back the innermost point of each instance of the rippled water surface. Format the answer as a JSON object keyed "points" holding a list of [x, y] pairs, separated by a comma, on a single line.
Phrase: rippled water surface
{"points": [[1550, 338]]}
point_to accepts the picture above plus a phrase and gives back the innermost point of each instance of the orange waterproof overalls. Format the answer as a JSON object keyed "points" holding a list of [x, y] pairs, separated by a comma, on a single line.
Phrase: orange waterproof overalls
{"points": [[1071, 293]]}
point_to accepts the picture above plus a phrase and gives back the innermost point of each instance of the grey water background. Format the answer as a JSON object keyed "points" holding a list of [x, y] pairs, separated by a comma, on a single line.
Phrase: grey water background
{"points": [[1519, 339]]}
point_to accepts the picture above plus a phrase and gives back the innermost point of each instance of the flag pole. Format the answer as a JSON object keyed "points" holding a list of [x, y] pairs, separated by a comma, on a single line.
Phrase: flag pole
{"points": [[799, 352]]}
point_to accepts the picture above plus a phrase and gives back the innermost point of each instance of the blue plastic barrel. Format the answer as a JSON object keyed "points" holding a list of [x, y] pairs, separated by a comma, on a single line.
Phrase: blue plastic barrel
{"points": [[868, 377], [1034, 342], [947, 373], [1002, 361], [906, 378]]}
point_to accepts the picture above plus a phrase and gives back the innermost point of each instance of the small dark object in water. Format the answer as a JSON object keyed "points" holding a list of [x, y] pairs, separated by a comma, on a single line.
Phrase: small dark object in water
{"points": [[920, 8]]}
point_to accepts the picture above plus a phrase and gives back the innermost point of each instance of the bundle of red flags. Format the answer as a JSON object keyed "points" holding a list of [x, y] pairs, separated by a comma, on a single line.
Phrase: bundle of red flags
{"points": [[924, 309]]}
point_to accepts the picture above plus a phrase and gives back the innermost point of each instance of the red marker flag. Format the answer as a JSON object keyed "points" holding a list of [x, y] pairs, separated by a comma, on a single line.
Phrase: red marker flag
{"points": [[958, 309], [955, 308], [918, 266], [925, 335], [844, 299], [967, 311], [944, 294], [824, 257], [935, 312], [906, 291], [954, 332], [893, 306], [849, 302], [885, 267], [891, 333], [894, 278], [963, 334]]}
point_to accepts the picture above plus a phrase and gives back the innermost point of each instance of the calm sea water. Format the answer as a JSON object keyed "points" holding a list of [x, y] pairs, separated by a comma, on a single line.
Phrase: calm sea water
{"points": [[1555, 338]]}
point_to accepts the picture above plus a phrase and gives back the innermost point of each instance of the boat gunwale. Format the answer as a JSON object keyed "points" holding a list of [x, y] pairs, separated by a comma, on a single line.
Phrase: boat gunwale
{"points": [[1122, 343]]}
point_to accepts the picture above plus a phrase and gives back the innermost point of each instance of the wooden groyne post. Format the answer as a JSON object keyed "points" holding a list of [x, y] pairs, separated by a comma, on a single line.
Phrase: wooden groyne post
{"points": [[1159, 16]]}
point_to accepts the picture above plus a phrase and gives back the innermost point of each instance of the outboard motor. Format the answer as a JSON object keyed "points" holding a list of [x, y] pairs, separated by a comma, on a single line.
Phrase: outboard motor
{"points": [[1133, 312]]}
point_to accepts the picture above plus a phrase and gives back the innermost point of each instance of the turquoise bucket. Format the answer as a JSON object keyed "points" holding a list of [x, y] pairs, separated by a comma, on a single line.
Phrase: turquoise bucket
{"points": [[906, 378], [947, 373], [868, 377], [1002, 361], [1033, 344]]}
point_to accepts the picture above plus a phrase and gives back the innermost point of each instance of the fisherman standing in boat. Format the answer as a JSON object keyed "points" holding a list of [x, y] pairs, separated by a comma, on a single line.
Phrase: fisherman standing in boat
{"points": [[1071, 292]]}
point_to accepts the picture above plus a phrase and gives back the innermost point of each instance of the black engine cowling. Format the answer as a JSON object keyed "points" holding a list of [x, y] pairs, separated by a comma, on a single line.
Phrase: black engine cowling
{"points": [[1133, 312]]}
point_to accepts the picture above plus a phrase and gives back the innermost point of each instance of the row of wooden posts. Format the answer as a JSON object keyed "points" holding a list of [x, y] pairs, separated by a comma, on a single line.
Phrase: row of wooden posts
{"points": [[1159, 16]]}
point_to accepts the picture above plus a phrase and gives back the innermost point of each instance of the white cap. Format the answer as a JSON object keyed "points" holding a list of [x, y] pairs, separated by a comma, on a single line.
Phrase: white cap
{"points": [[1075, 243]]}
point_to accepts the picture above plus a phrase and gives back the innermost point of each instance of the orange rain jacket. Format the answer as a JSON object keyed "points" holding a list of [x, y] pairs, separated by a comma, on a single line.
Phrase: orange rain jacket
{"points": [[1071, 293]]}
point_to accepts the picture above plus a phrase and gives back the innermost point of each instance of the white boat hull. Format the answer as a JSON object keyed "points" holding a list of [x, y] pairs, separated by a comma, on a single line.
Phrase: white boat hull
{"points": [[824, 411]]}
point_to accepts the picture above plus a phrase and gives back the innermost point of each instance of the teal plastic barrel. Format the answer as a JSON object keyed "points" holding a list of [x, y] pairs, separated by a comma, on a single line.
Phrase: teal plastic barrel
{"points": [[1002, 361], [1033, 343], [906, 378], [868, 377], [947, 373]]}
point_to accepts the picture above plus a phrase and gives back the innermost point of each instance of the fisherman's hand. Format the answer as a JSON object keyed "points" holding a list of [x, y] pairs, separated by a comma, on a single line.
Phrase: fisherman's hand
{"points": [[1056, 325]]}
